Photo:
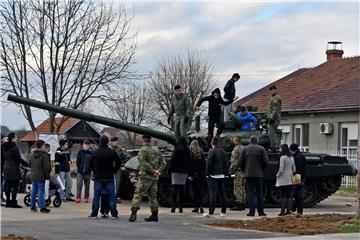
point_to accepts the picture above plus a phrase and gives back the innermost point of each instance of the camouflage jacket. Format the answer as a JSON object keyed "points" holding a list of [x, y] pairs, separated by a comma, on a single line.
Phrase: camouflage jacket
{"points": [[181, 105], [274, 107], [234, 160], [121, 152], [150, 159]]}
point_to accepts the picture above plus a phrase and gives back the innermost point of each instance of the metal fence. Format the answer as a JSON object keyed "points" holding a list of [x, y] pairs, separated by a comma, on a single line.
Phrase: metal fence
{"points": [[351, 155]]}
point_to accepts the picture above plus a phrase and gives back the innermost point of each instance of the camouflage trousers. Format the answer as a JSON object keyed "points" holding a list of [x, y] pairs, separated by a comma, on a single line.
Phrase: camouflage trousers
{"points": [[274, 141], [239, 187], [146, 185], [180, 126]]}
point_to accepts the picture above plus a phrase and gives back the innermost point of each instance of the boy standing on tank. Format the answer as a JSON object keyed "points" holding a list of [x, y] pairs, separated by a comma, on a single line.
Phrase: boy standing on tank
{"points": [[151, 164]]}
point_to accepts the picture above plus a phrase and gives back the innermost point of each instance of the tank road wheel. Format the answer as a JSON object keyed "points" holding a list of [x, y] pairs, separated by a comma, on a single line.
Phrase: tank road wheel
{"points": [[274, 194], [164, 192], [27, 200], [310, 193]]}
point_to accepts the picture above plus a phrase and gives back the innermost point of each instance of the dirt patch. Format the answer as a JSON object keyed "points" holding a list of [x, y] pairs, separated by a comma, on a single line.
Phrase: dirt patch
{"points": [[293, 224], [13, 237]]}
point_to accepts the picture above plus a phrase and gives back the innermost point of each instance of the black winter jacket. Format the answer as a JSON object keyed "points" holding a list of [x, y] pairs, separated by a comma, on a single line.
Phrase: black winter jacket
{"points": [[214, 105], [40, 165], [198, 166], [104, 162], [62, 160], [217, 162], [180, 161], [83, 161], [12, 161], [230, 90], [300, 164]]}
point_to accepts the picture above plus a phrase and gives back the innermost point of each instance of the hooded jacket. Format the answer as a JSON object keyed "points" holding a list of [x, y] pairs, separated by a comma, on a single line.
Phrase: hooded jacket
{"points": [[248, 121], [40, 165], [12, 161], [214, 105], [104, 162]]}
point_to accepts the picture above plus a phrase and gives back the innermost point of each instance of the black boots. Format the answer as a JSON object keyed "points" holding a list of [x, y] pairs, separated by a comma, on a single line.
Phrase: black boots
{"points": [[153, 217], [132, 216], [238, 207], [8, 203], [14, 204]]}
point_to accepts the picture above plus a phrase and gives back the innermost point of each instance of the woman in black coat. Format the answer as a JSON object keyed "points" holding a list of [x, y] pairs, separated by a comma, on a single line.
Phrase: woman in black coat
{"points": [[198, 181], [12, 161], [179, 170]]}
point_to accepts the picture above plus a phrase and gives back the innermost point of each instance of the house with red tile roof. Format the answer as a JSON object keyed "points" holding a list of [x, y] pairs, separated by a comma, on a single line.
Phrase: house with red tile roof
{"points": [[74, 130], [320, 105]]}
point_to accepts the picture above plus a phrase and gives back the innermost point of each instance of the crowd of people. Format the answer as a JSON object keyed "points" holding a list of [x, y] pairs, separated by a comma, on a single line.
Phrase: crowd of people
{"points": [[188, 164]]}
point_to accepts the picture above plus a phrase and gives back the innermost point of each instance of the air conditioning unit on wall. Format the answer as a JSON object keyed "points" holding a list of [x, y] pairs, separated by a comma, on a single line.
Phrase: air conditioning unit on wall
{"points": [[326, 128]]}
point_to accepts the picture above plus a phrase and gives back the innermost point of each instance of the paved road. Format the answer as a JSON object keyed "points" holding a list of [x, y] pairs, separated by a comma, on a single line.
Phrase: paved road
{"points": [[70, 222]]}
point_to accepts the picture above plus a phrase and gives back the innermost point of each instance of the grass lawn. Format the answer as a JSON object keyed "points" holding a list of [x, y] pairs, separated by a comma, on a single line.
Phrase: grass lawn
{"points": [[353, 226]]}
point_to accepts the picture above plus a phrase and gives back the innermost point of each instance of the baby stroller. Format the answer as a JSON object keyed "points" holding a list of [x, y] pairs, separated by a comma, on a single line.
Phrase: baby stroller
{"points": [[54, 192]]}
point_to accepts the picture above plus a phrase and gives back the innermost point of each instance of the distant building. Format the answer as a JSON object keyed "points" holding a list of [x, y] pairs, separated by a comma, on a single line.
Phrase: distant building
{"points": [[73, 130], [320, 105]]}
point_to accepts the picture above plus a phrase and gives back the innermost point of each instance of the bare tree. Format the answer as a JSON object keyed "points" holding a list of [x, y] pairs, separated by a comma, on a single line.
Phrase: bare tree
{"points": [[191, 71], [63, 52], [130, 105]]}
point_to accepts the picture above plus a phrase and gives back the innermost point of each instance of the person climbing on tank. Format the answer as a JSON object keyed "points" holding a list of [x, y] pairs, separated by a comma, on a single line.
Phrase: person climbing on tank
{"points": [[247, 120], [215, 101]]}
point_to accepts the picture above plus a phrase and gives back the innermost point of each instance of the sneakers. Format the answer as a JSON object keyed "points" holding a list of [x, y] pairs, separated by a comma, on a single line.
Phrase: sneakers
{"points": [[250, 214], [104, 215], [70, 199], [114, 217], [78, 200], [33, 209], [93, 216], [86, 200], [222, 214], [44, 210], [208, 215], [262, 215]]}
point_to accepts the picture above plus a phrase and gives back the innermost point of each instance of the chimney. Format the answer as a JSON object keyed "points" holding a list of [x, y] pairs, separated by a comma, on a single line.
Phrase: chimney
{"points": [[334, 50]]}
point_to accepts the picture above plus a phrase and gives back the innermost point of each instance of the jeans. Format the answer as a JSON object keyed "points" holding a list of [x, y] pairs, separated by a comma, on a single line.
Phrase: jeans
{"points": [[254, 189], [80, 180], [216, 185], [227, 109], [67, 181], [38, 186], [99, 186], [298, 194], [285, 198]]}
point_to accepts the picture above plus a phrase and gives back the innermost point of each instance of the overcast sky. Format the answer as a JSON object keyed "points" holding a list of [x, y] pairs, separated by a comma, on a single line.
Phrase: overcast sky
{"points": [[261, 41]]}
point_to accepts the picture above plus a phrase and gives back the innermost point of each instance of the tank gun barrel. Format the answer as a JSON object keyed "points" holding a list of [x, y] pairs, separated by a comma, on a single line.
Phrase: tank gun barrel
{"points": [[93, 118]]}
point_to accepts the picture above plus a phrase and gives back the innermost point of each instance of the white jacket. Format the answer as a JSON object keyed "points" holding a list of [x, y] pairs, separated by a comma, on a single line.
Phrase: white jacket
{"points": [[286, 169]]}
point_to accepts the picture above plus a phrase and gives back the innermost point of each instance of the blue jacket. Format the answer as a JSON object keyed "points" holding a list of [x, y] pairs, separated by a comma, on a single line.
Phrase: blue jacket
{"points": [[248, 121], [83, 161]]}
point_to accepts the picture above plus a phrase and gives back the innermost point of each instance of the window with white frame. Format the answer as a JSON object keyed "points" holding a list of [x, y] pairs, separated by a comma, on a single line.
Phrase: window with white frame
{"points": [[349, 136], [301, 136]]}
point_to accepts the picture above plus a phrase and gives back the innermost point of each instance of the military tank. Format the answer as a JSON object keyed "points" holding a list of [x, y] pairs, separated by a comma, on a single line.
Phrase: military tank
{"points": [[323, 172]]}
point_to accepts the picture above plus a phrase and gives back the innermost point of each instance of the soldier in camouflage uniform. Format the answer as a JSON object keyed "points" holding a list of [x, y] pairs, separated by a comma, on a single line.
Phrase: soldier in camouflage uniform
{"points": [[274, 117], [123, 155], [239, 180], [151, 164], [181, 105]]}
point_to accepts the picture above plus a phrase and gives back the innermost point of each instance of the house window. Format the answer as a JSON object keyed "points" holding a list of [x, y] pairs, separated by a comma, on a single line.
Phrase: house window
{"points": [[349, 138], [301, 136]]}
